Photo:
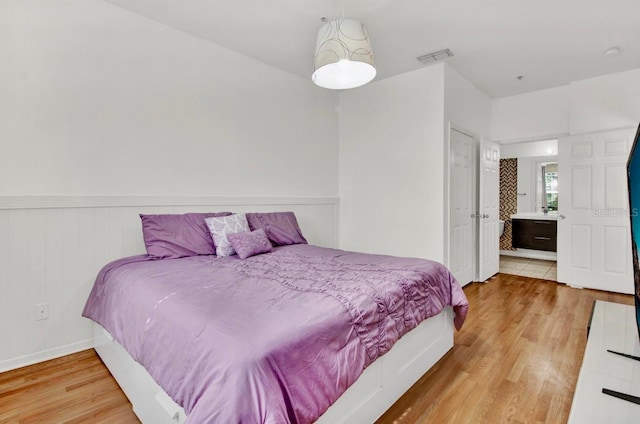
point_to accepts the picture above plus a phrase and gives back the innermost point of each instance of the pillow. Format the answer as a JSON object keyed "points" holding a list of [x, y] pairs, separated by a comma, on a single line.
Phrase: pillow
{"points": [[250, 244], [281, 227], [220, 228], [176, 236]]}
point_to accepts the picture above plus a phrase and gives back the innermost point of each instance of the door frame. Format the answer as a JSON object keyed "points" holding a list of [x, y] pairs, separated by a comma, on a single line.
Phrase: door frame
{"points": [[447, 195]]}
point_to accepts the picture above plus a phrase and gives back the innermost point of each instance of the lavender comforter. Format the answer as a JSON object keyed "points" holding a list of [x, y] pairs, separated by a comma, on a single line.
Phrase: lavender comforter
{"points": [[274, 338]]}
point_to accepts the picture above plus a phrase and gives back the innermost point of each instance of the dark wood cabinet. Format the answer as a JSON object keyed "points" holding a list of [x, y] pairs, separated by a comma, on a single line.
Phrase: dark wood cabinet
{"points": [[537, 234]]}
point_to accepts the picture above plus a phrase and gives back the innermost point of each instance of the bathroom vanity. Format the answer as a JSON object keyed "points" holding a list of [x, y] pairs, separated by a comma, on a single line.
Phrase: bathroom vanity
{"points": [[535, 231]]}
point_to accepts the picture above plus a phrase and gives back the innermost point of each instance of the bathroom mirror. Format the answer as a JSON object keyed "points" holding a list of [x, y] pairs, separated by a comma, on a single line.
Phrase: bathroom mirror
{"points": [[547, 187]]}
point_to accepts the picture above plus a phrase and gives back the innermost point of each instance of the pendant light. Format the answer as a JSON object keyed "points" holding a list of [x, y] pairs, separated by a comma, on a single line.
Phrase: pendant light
{"points": [[343, 57]]}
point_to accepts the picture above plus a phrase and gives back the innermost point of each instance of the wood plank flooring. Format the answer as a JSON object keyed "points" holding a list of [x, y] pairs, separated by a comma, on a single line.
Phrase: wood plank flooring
{"points": [[73, 389], [516, 360]]}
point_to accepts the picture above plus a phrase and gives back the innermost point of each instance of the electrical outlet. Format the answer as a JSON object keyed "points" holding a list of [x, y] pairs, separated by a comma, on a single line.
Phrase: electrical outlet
{"points": [[42, 311]]}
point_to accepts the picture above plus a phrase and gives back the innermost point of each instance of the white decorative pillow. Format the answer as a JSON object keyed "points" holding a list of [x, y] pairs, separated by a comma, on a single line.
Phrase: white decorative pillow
{"points": [[220, 227]]}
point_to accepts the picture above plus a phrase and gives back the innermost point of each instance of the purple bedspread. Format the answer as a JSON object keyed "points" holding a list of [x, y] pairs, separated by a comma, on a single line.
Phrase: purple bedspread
{"points": [[275, 338]]}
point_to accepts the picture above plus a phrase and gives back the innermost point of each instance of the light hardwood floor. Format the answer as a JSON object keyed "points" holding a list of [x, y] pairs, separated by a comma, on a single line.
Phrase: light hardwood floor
{"points": [[516, 360], [74, 389]]}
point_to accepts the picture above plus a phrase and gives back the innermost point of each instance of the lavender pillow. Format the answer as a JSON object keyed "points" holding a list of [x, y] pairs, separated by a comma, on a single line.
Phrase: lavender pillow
{"points": [[175, 236], [220, 228], [250, 244], [281, 227]]}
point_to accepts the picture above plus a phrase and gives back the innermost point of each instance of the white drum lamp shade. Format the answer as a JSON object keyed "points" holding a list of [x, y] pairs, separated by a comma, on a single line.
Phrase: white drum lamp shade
{"points": [[343, 58]]}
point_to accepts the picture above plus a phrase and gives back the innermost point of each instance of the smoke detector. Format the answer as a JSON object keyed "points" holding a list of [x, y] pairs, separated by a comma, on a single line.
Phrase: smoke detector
{"points": [[435, 56]]}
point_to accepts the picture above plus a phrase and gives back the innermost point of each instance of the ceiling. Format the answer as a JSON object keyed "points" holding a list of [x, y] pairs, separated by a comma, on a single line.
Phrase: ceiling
{"points": [[548, 42]]}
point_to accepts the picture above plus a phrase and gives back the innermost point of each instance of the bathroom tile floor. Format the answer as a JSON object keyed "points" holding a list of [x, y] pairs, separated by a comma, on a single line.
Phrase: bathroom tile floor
{"points": [[536, 268]]}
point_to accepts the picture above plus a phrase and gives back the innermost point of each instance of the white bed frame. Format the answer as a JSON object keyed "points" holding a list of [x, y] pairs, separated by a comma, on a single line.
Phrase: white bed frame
{"points": [[379, 386]]}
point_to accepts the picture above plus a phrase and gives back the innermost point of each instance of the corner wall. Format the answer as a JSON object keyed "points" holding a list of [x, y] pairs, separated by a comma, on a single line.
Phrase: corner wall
{"points": [[466, 105], [468, 109], [393, 159], [391, 165]]}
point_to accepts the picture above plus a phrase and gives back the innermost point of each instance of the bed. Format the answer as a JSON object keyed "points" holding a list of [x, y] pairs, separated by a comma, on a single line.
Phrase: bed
{"points": [[278, 337]]}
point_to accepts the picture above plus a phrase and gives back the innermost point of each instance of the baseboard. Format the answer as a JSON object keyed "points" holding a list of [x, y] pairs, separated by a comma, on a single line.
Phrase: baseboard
{"points": [[45, 355], [531, 254]]}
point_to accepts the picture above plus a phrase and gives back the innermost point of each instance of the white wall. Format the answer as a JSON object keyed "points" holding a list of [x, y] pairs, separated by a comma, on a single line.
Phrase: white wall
{"points": [[531, 116], [465, 105], [392, 159], [528, 149], [526, 190], [595, 104], [95, 100], [391, 165], [605, 103], [98, 100]]}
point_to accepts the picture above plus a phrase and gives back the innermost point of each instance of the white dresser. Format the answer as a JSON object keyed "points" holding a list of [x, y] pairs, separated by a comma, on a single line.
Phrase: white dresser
{"points": [[613, 326]]}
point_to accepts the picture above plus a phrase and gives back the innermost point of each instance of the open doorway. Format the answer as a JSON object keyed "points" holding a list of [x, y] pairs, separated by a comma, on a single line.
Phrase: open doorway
{"points": [[529, 194]]}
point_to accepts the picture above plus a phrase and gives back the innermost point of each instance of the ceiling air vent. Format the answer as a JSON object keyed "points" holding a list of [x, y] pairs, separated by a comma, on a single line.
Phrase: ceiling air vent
{"points": [[435, 56]]}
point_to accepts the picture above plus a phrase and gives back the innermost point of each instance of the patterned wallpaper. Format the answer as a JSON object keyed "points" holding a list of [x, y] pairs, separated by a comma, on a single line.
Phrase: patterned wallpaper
{"points": [[508, 198]]}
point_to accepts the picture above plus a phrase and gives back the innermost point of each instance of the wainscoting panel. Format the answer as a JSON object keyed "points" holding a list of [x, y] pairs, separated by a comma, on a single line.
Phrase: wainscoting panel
{"points": [[52, 248]]}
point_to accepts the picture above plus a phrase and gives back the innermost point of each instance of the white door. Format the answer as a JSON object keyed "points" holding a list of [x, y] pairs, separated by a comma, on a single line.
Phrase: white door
{"points": [[489, 209], [462, 207], [594, 243]]}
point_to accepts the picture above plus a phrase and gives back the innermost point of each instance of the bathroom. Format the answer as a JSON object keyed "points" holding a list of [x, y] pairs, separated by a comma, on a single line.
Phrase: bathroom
{"points": [[529, 209]]}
